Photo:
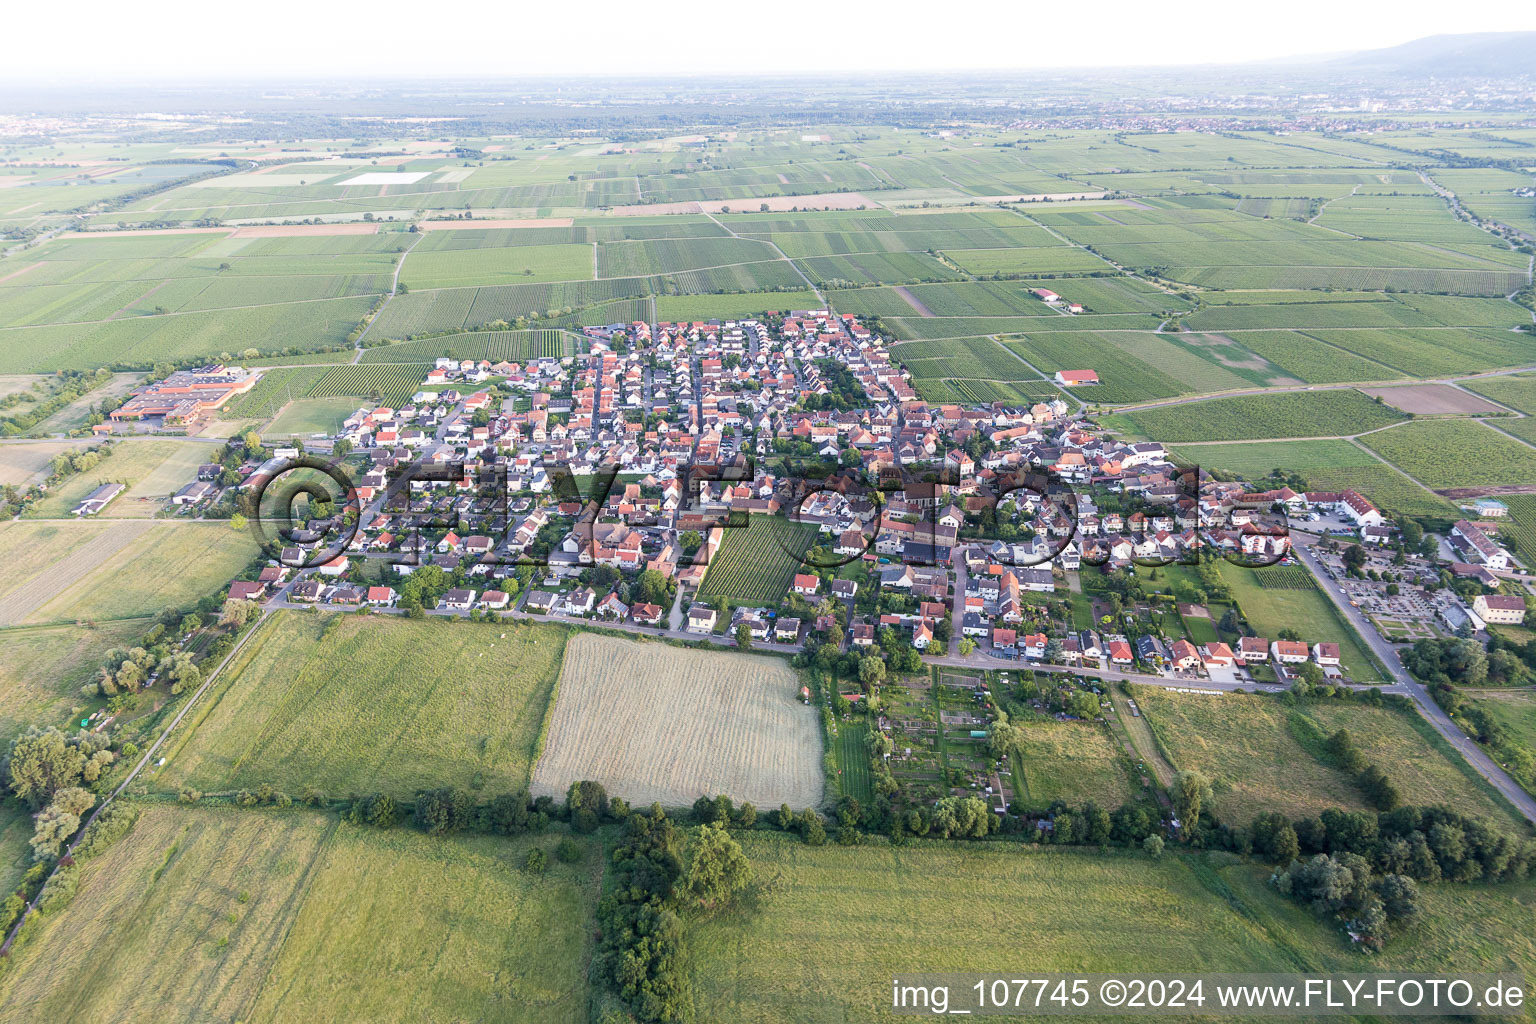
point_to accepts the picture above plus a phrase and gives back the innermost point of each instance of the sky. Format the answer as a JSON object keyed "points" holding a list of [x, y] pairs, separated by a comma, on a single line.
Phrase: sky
{"points": [[91, 40]]}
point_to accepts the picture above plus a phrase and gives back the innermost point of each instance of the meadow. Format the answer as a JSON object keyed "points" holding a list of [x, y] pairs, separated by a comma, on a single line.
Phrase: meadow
{"points": [[1070, 761], [279, 916], [821, 943], [45, 666], [619, 719], [365, 703], [153, 470], [1260, 755], [1306, 610]]}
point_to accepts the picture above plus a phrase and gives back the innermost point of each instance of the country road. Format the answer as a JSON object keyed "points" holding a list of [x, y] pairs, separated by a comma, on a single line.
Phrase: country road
{"points": [[1405, 683]]}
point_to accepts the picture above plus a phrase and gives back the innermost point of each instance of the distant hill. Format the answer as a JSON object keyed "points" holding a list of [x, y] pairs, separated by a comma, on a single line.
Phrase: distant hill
{"points": [[1480, 54]]}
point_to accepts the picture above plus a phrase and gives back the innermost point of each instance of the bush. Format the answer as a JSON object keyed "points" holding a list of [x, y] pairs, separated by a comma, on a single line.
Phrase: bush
{"points": [[536, 861], [59, 889], [568, 851]]}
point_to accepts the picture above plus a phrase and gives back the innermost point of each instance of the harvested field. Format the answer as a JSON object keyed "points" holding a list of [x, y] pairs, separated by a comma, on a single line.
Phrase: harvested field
{"points": [[169, 565], [1432, 400], [665, 724]]}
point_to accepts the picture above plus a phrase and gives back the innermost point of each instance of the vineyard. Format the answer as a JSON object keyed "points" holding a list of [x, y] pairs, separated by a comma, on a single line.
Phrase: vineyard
{"points": [[393, 383], [1284, 577], [754, 564], [496, 346]]}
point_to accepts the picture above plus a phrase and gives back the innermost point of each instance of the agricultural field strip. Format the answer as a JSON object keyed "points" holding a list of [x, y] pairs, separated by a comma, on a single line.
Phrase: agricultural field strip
{"points": [[42, 587]]}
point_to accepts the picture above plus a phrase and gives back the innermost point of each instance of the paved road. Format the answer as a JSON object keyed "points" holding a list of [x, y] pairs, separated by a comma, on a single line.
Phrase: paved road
{"points": [[1405, 683]]}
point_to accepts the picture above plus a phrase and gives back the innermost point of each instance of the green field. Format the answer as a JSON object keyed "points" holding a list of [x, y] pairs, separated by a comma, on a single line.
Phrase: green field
{"points": [[1306, 610], [822, 944], [100, 570], [153, 470], [377, 703], [1456, 453], [1070, 761], [1299, 414], [756, 563], [285, 916], [1262, 756]]}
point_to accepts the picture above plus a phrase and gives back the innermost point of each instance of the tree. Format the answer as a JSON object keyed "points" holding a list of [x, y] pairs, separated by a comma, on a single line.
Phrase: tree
{"points": [[967, 646], [1354, 557], [42, 762], [60, 820], [717, 869], [237, 522], [650, 587], [237, 613], [1191, 791], [744, 637], [587, 804], [439, 811], [871, 671], [1153, 845]]}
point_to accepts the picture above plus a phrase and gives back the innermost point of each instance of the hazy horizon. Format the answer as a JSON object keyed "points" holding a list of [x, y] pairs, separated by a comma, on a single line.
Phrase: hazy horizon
{"points": [[286, 41]]}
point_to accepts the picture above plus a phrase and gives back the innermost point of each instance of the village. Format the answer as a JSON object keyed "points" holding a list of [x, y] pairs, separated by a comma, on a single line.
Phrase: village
{"points": [[777, 482]]}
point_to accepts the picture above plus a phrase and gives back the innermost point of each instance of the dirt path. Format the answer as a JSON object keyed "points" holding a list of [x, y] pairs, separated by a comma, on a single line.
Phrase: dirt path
{"points": [[394, 288], [782, 255], [1140, 735], [23, 270], [914, 301]]}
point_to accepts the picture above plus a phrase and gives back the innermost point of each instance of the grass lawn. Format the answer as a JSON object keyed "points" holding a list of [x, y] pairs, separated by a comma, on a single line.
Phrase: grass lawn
{"points": [[823, 944], [373, 703], [305, 416], [1071, 761], [1261, 755], [1308, 611], [266, 916], [151, 469], [45, 666]]}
